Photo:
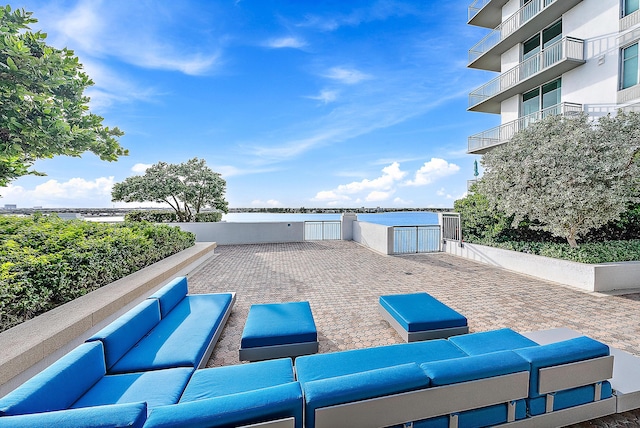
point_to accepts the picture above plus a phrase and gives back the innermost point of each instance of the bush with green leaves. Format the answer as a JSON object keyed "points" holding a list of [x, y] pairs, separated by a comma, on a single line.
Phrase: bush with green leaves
{"points": [[46, 261]]}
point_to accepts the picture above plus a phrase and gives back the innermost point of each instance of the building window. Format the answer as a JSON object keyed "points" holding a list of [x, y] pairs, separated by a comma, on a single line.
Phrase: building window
{"points": [[629, 66], [541, 98], [629, 6]]}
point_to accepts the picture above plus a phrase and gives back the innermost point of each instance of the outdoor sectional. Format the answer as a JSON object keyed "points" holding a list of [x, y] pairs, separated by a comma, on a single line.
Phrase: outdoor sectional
{"points": [[141, 370], [492, 378]]}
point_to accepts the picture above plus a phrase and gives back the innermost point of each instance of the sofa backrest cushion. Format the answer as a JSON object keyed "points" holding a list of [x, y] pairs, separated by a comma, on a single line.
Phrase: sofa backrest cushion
{"points": [[260, 405], [470, 368], [123, 333], [59, 385], [118, 415], [553, 354], [171, 294], [321, 366]]}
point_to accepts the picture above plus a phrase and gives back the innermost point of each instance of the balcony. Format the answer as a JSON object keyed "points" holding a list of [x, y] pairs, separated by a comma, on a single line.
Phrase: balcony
{"points": [[629, 21], [486, 13], [520, 26], [484, 141], [558, 58]]}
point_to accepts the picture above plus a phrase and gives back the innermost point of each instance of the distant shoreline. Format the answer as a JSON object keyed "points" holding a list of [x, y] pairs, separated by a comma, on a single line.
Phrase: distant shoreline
{"points": [[99, 212]]}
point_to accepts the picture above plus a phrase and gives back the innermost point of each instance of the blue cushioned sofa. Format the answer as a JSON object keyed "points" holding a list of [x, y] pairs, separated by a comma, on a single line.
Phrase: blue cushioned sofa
{"points": [[169, 329], [141, 370], [474, 380], [76, 391]]}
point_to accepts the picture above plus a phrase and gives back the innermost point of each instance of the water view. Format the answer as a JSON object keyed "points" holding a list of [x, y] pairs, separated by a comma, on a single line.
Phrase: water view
{"points": [[403, 218]]}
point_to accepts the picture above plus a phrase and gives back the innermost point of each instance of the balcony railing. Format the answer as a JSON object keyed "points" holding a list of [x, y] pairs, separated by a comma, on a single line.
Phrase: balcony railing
{"points": [[479, 143], [630, 20], [476, 7], [508, 27], [567, 48]]}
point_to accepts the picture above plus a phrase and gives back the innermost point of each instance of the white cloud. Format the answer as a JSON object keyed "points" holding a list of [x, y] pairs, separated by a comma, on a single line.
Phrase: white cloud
{"points": [[285, 42], [378, 189], [326, 96], [441, 192], [140, 168], [431, 171], [76, 192], [349, 76]]}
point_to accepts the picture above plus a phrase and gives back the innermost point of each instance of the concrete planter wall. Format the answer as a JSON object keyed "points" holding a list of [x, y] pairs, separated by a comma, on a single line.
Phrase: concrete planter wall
{"points": [[224, 233], [589, 277], [375, 236]]}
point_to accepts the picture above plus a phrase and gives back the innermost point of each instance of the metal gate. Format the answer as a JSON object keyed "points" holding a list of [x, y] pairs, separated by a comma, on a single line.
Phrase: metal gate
{"points": [[416, 239], [322, 230]]}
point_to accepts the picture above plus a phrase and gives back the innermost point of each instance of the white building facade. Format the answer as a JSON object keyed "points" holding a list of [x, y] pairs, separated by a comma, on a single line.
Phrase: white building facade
{"points": [[553, 57]]}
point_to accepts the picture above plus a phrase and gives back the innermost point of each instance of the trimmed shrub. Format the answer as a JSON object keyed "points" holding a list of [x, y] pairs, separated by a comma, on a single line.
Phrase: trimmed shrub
{"points": [[46, 261], [151, 216], [209, 216]]}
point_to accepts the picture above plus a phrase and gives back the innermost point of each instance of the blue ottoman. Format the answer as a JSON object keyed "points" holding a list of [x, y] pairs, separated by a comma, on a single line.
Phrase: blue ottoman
{"points": [[419, 316], [278, 330]]}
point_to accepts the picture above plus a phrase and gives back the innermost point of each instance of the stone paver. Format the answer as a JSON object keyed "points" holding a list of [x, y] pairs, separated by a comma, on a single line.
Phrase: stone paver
{"points": [[343, 280]]}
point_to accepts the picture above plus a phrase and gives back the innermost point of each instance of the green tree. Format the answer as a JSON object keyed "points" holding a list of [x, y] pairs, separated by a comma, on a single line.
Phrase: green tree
{"points": [[566, 175], [188, 188], [43, 112]]}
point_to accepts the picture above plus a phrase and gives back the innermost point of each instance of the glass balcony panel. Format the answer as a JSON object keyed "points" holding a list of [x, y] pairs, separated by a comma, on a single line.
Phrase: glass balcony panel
{"points": [[482, 142]]}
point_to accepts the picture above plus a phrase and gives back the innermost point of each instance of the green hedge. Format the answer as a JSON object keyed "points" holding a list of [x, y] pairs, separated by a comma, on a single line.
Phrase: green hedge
{"points": [[170, 216], [46, 261]]}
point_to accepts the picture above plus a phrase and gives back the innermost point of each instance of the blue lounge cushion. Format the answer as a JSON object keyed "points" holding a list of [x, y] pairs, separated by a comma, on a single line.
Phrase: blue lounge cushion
{"points": [[553, 354], [132, 415], [421, 312], [279, 324], [156, 388], [171, 294], [361, 386], [486, 342], [181, 338], [322, 366], [218, 381], [255, 406], [124, 332], [476, 367], [60, 385], [569, 398]]}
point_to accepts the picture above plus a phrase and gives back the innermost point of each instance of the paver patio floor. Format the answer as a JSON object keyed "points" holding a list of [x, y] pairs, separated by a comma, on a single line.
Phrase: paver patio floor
{"points": [[343, 280]]}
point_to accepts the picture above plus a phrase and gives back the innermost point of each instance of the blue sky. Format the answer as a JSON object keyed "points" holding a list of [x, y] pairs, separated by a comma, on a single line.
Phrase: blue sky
{"points": [[296, 103]]}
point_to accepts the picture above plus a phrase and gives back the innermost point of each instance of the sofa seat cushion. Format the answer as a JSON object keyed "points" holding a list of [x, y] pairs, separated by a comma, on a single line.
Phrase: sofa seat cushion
{"points": [[171, 294], [259, 405], [476, 367], [181, 338], [132, 415], [124, 332], [156, 388], [322, 366], [361, 386], [491, 341], [553, 354], [569, 398], [420, 312], [218, 381], [58, 386], [279, 324]]}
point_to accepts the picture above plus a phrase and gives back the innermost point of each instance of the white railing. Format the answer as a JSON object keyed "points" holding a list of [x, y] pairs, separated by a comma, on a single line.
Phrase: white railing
{"points": [[322, 230], [630, 20], [508, 27], [503, 133], [565, 48], [476, 7], [451, 227]]}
